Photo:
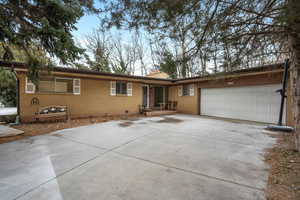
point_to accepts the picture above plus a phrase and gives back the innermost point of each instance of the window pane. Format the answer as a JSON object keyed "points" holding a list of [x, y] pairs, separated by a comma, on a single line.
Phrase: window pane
{"points": [[121, 88], [124, 88], [30, 88], [64, 85], [118, 88], [185, 90], [55, 84], [46, 84]]}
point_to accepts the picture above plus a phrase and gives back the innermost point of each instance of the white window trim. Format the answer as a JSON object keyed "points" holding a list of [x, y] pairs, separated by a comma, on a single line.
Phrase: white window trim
{"points": [[129, 89], [180, 90], [113, 89], [192, 90], [27, 83], [76, 86]]}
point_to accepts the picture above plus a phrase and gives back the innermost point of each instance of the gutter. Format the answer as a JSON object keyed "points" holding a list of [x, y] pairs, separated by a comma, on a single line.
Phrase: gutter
{"points": [[84, 71], [273, 68]]}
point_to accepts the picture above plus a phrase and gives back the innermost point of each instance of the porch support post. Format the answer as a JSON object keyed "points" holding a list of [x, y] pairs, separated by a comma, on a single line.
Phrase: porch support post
{"points": [[164, 94], [148, 96]]}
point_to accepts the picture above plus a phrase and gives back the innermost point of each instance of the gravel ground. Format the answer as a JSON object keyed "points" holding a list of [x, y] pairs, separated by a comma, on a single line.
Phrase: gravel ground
{"points": [[284, 173]]}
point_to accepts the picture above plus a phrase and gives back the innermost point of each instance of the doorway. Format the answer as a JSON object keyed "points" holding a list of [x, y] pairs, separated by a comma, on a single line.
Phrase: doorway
{"points": [[158, 96]]}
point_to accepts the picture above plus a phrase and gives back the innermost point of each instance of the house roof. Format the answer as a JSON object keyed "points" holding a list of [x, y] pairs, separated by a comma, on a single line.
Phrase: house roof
{"points": [[254, 70], [80, 71], [271, 68], [158, 74]]}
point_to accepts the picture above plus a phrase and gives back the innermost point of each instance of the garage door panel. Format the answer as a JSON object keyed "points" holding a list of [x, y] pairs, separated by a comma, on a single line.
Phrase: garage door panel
{"points": [[254, 103]]}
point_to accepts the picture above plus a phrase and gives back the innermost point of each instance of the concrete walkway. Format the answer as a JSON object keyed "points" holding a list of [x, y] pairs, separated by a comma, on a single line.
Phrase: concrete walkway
{"points": [[8, 131], [178, 157]]}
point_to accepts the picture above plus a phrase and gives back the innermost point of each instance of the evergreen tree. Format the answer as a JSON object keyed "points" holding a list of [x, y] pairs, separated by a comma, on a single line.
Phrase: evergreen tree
{"points": [[169, 65], [7, 88], [47, 24]]}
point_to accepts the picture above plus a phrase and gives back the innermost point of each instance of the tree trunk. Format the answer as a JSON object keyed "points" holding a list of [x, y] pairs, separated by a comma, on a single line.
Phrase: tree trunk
{"points": [[295, 85], [293, 28]]}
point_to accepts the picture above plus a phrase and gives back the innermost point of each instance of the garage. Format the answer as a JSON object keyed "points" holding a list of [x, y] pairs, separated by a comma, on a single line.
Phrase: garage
{"points": [[254, 103]]}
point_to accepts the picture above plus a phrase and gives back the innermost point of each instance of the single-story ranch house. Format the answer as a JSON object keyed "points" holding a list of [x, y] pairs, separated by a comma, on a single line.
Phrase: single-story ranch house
{"points": [[247, 94]]}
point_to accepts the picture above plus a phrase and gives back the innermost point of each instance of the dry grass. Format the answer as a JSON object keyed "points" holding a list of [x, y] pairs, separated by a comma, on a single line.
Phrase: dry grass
{"points": [[284, 173], [33, 129]]}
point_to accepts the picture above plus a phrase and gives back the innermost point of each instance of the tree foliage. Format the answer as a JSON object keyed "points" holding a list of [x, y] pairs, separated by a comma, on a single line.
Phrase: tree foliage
{"points": [[230, 34], [7, 88], [169, 65], [7, 79], [45, 24], [109, 52], [97, 45]]}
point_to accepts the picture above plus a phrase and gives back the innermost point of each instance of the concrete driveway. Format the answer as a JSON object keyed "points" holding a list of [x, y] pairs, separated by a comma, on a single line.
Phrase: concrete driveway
{"points": [[168, 158]]}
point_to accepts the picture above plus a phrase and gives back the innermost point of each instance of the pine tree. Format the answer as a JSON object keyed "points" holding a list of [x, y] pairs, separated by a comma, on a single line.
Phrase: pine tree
{"points": [[47, 24]]}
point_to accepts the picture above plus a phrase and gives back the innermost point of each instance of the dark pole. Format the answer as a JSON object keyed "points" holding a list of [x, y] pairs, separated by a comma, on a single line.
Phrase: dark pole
{"points": [[282, 91]]}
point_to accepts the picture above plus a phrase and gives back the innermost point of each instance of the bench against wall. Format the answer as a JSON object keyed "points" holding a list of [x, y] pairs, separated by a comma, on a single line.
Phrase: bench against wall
{"points": [[52, 112]]}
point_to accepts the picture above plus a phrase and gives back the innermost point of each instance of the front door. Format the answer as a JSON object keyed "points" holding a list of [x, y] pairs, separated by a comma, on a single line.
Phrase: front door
{"points": [[159, 96]]}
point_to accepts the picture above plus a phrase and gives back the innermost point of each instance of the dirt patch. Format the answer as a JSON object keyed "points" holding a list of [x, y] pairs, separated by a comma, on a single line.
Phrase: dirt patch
{"points": [[125, 124], [33, 129], [169, 120], [284, 173]]}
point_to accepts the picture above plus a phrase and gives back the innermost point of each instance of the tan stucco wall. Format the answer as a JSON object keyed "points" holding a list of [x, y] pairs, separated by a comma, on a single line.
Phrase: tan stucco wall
{"points": [[94, 100], [185, 104]]}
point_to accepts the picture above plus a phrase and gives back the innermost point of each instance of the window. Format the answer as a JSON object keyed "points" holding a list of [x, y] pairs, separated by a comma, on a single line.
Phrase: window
{"points": [[186, 90], [121, 88], [55, 84], [76, 86], [46, 84], [29, 86]]}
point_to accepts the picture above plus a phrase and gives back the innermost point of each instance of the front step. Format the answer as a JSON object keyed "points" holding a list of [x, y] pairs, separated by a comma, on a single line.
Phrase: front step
{"points": [[160, 112]]}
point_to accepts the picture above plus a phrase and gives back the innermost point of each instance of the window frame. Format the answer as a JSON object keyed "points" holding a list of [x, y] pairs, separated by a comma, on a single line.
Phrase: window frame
{"points": [[29, 83], [186, 88], [63, 78], [55, 78], [122, 90]]}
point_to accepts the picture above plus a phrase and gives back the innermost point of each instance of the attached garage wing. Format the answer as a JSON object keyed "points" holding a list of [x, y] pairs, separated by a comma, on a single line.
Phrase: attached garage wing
{"points": [[253, 103]]}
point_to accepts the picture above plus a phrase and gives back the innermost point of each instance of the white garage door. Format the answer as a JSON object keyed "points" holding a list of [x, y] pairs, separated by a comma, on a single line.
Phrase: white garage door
{"points": [[254, 103]]}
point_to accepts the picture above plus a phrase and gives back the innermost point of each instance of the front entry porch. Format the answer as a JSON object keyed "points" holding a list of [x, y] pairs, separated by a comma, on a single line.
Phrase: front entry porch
{"points": [[155, 101]]}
